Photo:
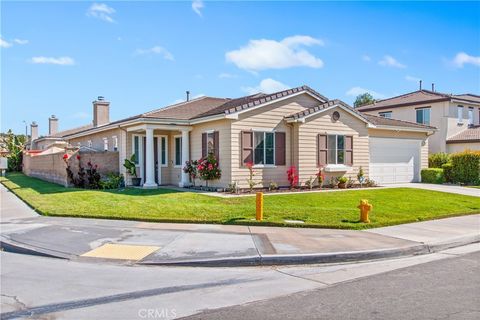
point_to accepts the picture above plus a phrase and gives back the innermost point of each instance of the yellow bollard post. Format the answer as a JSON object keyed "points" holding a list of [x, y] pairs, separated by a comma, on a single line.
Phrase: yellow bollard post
{"points": [[259, 211], [365, 208]]}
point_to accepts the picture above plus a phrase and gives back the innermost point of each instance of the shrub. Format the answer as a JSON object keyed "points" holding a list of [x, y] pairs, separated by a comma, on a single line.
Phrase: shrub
{"points": [[272, 186], [320, 176], [448, 172], [112, 181], [309, 183], [233, 187], [433, 175], [466, 167], [93, 177], [437, 160], [191, 169], [251, 173], [361, 176], [292, 177], [208, 169], [342, 180]]}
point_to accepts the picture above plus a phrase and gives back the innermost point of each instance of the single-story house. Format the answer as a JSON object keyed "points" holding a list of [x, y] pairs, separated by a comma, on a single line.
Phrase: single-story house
{"points": [[296, 127]]}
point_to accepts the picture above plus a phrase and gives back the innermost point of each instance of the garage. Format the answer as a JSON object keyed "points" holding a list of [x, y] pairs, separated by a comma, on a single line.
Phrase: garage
{"points": [[394, 160]]}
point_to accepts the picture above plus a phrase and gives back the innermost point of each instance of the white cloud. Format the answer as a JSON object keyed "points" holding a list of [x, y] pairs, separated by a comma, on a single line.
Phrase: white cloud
{"points": [[20, 41], [227, 75], [157, 50], [63, 61], [270, 54], [101, 11], [355, 91], [366, 58], [266, 86], [389, 61], [412, 79], [197, 6], [463, 58], [5, 43]]}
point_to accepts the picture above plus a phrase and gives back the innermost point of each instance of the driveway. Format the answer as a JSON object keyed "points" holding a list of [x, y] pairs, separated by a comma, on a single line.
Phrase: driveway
{"points": [[440, 187]]}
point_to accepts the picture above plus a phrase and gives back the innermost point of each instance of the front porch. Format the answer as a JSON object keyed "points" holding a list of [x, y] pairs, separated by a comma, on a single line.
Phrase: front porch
{"points": [[160, 152]]}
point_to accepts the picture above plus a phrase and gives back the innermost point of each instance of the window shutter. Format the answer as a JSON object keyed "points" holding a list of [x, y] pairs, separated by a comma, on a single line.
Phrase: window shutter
{"points": [[204, 145], [322, 149], [280, 151], [247, 146], [215, 144], [349, 150]]}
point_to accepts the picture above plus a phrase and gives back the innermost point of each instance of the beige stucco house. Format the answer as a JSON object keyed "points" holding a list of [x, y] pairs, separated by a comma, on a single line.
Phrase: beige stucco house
{"points": [[457, 117], [296, 127]]}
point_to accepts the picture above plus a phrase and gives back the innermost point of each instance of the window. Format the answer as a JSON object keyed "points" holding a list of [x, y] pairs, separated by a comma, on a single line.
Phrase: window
{"points": [[210, 142], [105, 144], [264, 148], [178, 151], [115, 143], [335, 149], [460, 114], [470, 116], [136, 149], [164, 151], [423, 115], [387, 114]]}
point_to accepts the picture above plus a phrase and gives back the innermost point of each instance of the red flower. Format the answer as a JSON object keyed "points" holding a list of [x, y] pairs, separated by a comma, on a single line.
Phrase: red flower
{"points": [[65, 156], [78, 157], [249, 165]]}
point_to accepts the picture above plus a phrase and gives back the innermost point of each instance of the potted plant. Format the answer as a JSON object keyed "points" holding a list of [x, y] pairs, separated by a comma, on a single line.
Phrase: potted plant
{"points": [[342, 182], [131, 167]]}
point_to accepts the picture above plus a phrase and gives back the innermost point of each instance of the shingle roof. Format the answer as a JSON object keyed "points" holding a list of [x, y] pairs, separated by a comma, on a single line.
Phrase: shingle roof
{"points": [[381, 121], [471, 134], [243, 103], [415, 98], [188, 109], [375, 120], [64, 133]]}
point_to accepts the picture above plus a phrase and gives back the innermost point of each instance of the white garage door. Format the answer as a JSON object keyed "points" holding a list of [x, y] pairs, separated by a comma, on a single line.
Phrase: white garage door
{"points": [[394, 160]]}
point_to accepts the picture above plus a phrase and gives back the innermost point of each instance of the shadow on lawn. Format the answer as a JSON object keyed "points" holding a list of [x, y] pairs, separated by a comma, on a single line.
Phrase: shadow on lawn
{"points": [[22, 181]]}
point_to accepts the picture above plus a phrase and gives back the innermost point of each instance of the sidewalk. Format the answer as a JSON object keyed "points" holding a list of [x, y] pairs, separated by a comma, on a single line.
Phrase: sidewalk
{"points": [[131, 242]]}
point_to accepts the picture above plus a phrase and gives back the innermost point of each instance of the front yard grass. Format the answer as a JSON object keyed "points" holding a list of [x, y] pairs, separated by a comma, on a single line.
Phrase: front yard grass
{"points": [[324, 209]]}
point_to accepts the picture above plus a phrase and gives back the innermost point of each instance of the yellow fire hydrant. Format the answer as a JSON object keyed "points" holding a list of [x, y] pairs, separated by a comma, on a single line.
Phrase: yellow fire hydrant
{"points": [[365, 208], [259, 211]]}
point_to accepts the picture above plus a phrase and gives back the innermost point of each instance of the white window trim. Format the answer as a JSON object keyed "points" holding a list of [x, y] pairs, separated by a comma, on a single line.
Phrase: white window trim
{"points": [[336, 164], [105, 144], [336, 168], [471, 116], [429, 116], [115, 143], [382, 114], [264, 151], [163, 165], [459, 114], [175, 151]]}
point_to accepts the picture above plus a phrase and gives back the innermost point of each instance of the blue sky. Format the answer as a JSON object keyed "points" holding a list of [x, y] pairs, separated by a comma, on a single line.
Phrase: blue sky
{"points": [[56, 57]]}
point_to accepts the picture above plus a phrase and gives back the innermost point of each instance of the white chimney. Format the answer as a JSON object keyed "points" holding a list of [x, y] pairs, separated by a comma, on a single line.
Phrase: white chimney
{"points": [[52, 125], [101, 112]]}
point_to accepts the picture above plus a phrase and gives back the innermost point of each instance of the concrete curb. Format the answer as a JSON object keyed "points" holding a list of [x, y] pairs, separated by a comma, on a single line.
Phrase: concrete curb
{"points": [[268, 260]]}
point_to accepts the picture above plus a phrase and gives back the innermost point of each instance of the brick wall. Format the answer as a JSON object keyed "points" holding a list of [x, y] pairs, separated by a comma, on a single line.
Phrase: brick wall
{"points": [[52, 167]]}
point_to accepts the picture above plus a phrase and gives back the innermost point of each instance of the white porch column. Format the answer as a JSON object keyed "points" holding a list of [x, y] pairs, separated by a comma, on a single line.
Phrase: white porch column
{"points": [[149, 160], [185, 156]]}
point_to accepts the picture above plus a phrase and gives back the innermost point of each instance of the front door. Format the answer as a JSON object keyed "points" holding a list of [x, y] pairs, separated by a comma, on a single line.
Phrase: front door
{"points": [[155, 152]]}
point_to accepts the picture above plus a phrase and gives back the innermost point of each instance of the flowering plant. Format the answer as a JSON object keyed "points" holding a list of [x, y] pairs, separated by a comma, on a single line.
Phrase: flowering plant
{"points": [[292, 177], [251, 173], [320, 176], [207, 168], [191, 169]]}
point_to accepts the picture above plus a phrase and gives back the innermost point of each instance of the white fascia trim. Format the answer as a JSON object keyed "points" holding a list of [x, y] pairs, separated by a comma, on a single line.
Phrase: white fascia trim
{"points": [[465, 102], [209, 118], [302, 119], [393, 128]]}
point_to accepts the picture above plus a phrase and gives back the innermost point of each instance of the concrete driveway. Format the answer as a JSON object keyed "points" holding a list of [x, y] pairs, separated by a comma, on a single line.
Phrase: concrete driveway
{"points": [[440, 187]]}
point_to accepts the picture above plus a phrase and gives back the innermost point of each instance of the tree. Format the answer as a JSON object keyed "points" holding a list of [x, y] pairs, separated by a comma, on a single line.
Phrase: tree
{"points": [[15, 145], [363, 99]]}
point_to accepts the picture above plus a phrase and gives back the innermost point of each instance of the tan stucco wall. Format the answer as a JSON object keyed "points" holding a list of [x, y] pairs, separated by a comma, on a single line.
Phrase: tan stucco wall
{"points": [[443, 116], [459, 147], [269, 117]]}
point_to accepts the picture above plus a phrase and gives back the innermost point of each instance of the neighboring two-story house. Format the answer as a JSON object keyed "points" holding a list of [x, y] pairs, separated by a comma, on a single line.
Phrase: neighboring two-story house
{"points": [[455, 116]]}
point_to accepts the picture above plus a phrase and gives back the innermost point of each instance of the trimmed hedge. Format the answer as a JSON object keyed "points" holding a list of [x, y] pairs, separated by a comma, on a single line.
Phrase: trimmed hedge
{"points": [[448, 172], [433, 175], [466, 167], [437, 160]]}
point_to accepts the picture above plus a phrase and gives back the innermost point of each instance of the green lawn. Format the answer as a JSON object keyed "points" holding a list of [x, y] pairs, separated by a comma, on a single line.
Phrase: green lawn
{"points": [[324, 209]]}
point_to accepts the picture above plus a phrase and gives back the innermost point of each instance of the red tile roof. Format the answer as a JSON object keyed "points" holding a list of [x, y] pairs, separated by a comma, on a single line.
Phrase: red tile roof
{"points": [[471, 134]]}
